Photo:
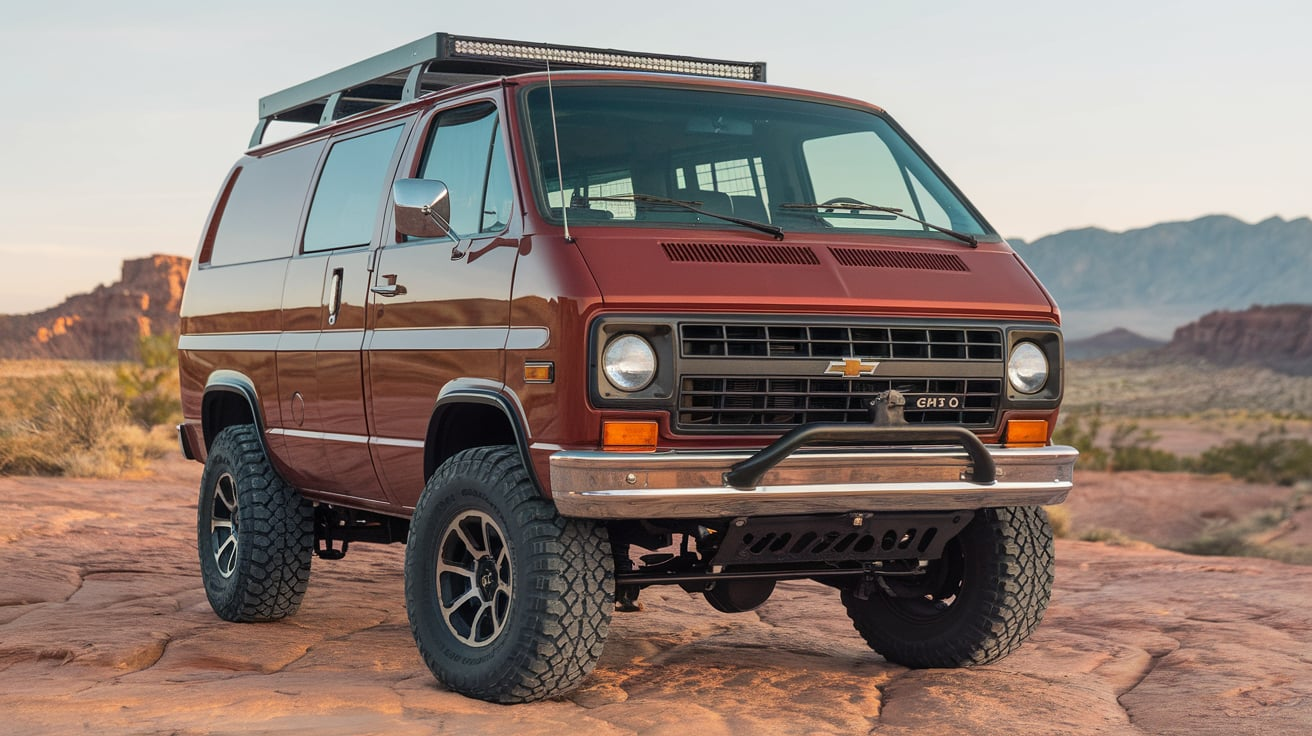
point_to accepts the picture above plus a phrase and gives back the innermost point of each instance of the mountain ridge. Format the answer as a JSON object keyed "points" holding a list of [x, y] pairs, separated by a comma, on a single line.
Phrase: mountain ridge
{"points": [[1153, 279]]}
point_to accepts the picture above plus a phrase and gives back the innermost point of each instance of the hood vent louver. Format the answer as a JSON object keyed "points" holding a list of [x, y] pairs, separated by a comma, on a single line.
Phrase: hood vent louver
{"points": [[775, 255], [918, 261]]}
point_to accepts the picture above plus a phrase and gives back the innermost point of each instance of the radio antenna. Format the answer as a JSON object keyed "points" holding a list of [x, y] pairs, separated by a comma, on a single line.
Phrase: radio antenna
{"points": [[555, 139]]}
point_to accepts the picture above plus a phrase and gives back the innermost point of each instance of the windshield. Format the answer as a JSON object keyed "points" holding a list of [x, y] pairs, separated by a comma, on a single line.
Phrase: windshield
{"points": [[752, 157]]}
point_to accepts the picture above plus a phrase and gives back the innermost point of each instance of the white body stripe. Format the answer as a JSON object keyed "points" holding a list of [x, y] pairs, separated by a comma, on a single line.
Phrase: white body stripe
{"points": [[434, 338], [355, 439]]}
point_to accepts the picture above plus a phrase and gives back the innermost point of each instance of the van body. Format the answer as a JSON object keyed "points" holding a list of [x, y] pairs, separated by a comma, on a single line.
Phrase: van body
{"points": [[571, 333]]}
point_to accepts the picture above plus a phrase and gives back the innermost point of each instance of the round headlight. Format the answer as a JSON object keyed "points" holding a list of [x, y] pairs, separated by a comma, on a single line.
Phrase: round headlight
{"points": [[629, 363], [1027, 369]]}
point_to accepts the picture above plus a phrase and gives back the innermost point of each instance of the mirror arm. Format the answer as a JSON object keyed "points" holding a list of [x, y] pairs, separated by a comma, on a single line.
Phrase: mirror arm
{"points": [[456, 253]]}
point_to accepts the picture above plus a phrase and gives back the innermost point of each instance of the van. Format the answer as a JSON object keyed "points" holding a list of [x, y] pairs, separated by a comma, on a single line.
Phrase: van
{"points": [[573, 322]]}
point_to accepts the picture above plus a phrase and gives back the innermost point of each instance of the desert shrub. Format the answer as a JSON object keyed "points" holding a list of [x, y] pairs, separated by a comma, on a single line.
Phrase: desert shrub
{"points": [[75, 422], [1130, 446], [1059, 517], [1081, 432], [1132, 449], [1268, 459], [1113, 537], [23, 450], [149, 387], [79, 408], [1225, 541]]}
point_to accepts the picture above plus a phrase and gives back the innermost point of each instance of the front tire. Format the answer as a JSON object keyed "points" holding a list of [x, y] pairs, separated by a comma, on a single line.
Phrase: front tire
{"points": [[254, 533], [508, 601], [973, 606]]}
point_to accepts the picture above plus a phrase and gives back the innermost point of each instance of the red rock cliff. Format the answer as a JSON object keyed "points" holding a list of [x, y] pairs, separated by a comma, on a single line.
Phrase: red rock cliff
{"points": [[1277, 337], [105, 323]]}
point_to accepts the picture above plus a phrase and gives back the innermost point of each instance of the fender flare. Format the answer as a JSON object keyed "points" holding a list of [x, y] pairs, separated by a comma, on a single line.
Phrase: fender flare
{"points": [[482, 396], [224, 383]]}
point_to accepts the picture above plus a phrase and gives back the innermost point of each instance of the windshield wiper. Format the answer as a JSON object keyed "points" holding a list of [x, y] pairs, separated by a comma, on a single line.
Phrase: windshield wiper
{"points": [[691, 206], [853, 206]]}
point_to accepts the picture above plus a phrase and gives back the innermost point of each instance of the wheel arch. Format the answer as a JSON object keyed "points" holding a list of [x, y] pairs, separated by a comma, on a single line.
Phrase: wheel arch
{"points": [[230, 398], [474, 417]]}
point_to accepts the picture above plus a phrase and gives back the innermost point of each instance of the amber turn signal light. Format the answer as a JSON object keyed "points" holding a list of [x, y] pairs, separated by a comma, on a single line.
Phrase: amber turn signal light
{"points": [[539, 372], [629, 436], [1027, 432]]}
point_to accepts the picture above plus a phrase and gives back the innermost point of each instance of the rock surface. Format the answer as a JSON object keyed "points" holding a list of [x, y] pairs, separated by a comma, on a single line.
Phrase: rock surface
{"points": [[103, 324], [104, 628], [1277, 337], [1150, 507]]}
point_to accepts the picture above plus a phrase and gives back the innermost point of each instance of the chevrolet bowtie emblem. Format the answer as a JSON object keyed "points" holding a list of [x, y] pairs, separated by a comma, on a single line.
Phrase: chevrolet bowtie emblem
{"points": [[852, 367]]}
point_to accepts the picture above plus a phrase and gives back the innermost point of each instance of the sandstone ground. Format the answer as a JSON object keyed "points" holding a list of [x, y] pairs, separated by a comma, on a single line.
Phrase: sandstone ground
{"points": [[104, 628]]}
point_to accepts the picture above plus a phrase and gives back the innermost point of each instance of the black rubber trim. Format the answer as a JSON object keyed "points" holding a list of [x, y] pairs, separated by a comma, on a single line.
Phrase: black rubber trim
{"points": [[230, 382], [748, 473], [485, 397]]}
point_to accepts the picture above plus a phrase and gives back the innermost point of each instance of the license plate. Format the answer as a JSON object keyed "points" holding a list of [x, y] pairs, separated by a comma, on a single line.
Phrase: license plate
{"points": [[935, 402]]}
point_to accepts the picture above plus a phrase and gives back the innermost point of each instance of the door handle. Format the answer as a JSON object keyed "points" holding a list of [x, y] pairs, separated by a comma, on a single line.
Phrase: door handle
{"points": [[335, 296], [391, 288]]}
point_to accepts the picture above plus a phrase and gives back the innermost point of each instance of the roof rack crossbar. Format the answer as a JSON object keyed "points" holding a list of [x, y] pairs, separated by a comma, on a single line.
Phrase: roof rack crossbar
{"points": [[444, 60]]}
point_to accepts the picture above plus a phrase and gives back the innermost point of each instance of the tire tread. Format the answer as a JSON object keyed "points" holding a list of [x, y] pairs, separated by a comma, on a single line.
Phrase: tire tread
{"points": [[570, 605], [1014, 597], [272, 583]]}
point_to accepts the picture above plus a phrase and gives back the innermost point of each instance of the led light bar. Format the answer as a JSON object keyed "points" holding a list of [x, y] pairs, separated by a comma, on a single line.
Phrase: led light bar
{"points": [[605, 59]]}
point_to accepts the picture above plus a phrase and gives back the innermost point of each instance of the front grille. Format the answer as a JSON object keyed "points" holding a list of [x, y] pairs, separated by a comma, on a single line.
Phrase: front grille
{"points": [[775, 403], [840, 341]]}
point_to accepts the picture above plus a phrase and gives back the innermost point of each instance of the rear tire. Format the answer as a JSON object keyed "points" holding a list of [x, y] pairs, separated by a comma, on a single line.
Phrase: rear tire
{"points": [[508, 601], [975, 605], [254, 533]]}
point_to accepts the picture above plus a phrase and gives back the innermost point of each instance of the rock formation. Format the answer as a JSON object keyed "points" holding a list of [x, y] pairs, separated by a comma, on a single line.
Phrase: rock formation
{"points": [[1277, 337], [105, 323]]}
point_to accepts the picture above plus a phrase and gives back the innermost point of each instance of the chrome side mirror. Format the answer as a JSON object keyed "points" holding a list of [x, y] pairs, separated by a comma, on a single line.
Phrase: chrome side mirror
{"points": [[422, 208]]}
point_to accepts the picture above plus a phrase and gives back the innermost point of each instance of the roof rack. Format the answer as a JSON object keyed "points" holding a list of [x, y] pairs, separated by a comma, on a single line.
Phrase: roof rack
{"points": [[445, 60]]}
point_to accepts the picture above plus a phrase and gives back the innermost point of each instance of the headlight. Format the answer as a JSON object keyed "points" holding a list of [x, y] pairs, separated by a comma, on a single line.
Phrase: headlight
{"points": [[1027, 369], [629, 363]]}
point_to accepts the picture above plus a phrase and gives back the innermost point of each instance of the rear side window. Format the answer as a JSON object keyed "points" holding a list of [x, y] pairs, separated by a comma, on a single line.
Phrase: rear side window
{"points": [[258, 221], [350, 191], [465, 153]]}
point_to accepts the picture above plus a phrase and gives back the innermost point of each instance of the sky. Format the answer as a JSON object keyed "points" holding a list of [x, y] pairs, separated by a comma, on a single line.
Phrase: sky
{"points": [[119, 121]]}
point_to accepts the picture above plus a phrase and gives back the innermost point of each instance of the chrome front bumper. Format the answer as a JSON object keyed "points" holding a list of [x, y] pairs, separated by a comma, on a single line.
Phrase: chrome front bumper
{"points": [[692, 485]]}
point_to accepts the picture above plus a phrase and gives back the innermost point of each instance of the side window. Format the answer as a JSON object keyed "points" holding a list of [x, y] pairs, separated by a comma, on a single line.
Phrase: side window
{"points": [[258, 218], [346, 202], [465, 152]]}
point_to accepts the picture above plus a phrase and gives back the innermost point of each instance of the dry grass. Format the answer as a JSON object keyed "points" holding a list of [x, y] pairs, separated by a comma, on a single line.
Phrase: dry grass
{"points": [[74, 419]]}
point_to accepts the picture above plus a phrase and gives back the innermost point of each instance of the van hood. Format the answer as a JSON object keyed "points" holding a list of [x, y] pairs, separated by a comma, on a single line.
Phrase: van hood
{"points": [[910, 276]]}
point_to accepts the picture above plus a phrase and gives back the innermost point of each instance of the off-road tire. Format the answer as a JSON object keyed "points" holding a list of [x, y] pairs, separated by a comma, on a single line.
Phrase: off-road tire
{"points": [[990, 596], [254, 533], [536, 624]]}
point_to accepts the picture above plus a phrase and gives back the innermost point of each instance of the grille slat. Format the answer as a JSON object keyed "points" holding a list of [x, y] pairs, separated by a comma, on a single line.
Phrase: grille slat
{"points": [[792, 392], [773, 402], [794, 341]]}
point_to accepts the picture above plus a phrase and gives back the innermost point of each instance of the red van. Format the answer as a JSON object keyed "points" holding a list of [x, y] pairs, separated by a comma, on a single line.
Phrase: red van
{"points": [[573, 322]]}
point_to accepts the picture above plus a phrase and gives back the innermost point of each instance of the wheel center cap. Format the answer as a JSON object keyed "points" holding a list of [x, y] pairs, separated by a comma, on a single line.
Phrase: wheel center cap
{"points": [[486, 575]]}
